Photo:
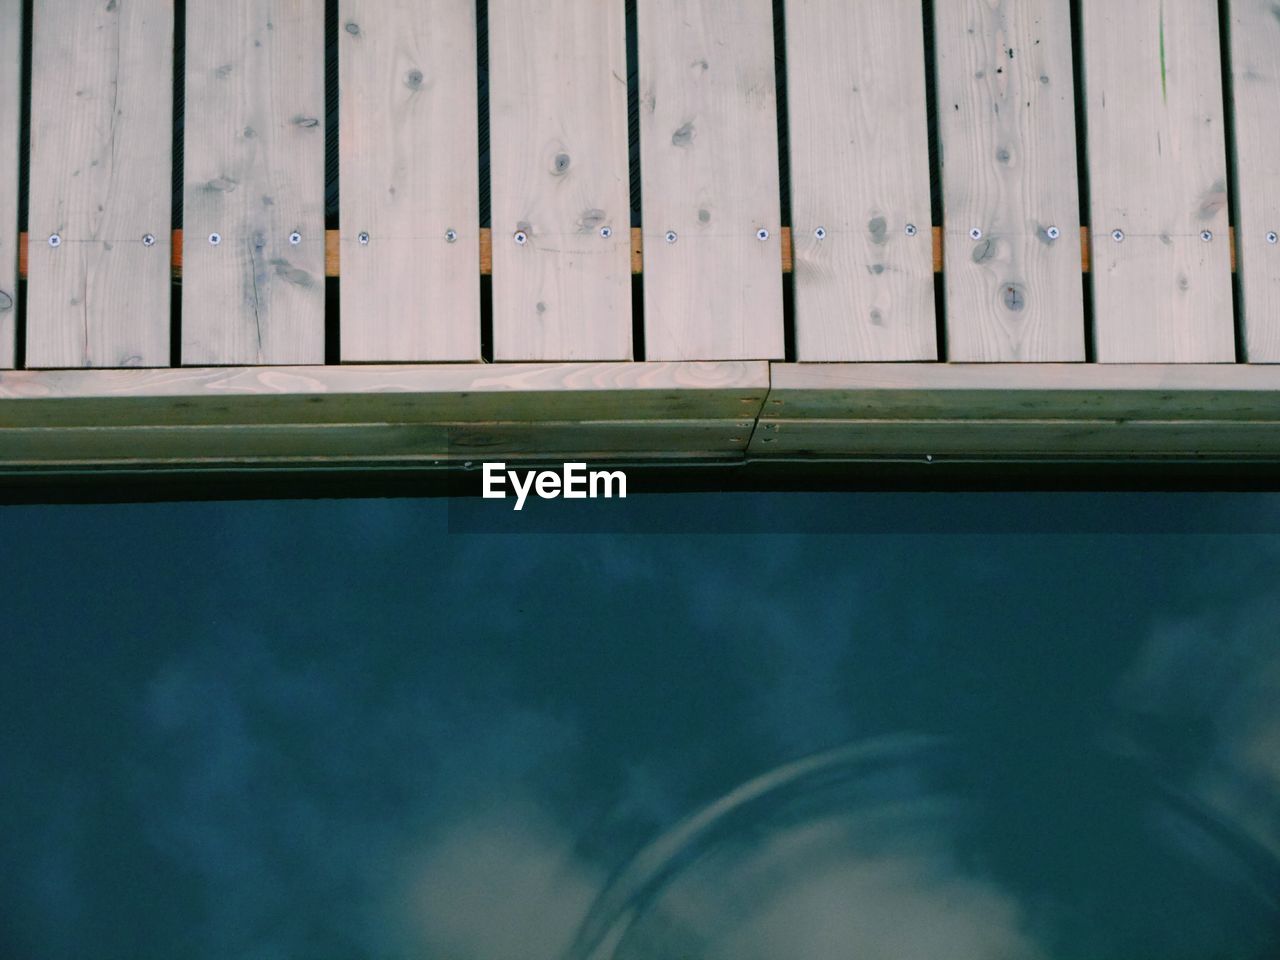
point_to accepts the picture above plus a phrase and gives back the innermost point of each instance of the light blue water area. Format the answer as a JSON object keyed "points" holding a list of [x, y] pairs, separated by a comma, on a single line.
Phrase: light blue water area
{"points": [[354, 730]]}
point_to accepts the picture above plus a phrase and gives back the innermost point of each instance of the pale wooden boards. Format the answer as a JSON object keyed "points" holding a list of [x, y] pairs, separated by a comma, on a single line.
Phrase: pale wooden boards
{"points": [[860, 181], [101, 154], [254, 171], [10, 120], [1006, 119], [1255, 63], [1032, 412], [560, 187], [372, 415], [709, 180], [410, 180], [1157, 174]]}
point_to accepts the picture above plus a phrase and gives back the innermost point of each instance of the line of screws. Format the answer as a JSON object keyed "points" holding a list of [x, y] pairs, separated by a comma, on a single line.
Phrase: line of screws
{"points": [[521, 238]]}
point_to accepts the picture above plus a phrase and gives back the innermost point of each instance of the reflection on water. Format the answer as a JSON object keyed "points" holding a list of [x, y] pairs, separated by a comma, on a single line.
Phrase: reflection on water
{"points": [[888, 850], [329, 731]]}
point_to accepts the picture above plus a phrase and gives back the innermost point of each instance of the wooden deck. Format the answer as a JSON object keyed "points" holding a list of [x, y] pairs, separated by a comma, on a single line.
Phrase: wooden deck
{"points": [[1088, 267]]}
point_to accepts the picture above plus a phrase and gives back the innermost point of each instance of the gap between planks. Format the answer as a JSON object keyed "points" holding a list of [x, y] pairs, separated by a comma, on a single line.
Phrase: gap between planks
{"points": [[637, 251]]}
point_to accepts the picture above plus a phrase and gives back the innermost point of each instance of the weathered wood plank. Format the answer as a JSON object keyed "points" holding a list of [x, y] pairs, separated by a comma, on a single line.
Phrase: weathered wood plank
{"points": [[10, 121], [1158, 181], [1027, 410], [560, 182], [709, 172], [860, 181], [101, 162], [1255, 63], [1041, 391], [422, 413], [419, 393], [410, 180], [1007, 126], [254, 169], [376, 443], [1022, 439]]}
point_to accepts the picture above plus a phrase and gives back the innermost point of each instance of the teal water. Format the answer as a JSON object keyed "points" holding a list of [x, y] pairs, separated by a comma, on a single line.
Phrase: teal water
{"points": [[365, 729]]}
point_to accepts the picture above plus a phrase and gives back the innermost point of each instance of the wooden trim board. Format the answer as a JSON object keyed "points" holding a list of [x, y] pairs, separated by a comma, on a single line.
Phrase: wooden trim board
{"points": [[375, 414], [1036, 411], [233, 417]]}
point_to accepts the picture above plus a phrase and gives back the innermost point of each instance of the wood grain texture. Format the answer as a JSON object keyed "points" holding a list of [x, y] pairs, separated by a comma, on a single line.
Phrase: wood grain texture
{"points": [[1157, 172], [332, 259], [375, 415], [1035, 411], [10, 129], [1006, 121], [709, 172], [1042, 391], [101, 155], [859, 177], [409, 170], [418, 393], [254, 170], [1255, 64], [375, 444], [558, 129], [1016, 439]]}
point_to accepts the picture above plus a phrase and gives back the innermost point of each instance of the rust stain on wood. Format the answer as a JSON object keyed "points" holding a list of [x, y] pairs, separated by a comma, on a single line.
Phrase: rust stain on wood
{"points": [[332, 261]]}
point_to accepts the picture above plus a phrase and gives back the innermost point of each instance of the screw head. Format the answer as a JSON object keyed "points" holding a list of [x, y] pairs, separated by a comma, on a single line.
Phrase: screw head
{"points": [[911, 230], [820, 233], [1117, 235], [1206, 235], [606, 232], [295, 238], [451, 235], [1053, 233], [55, 240], [762, 234], [149, 240], [215, 239], [975, 233], [521, 238], [1272, 238], [672, 236], [363, 238]]}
